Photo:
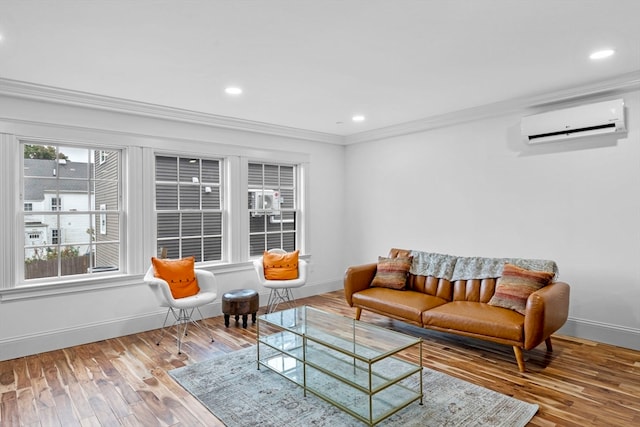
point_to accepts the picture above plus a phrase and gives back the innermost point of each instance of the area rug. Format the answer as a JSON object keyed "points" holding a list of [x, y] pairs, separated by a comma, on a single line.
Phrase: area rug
{"points": [[240, 395]]}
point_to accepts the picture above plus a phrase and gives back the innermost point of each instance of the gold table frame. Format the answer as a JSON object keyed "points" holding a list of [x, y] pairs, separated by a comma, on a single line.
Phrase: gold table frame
{"points": [[348, 363]]}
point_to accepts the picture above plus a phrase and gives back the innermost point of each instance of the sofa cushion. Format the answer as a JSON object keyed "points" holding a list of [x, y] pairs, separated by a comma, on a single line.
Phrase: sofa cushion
{"points": [[407, 304], [477, 318], [392, 272], [516, 284]]}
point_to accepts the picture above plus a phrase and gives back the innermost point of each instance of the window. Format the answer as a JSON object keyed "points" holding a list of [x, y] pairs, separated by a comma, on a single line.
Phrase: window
{"points": [[272, 207], [63, 204], [103, 219], [189, 207], [56, 203], [55, 236]]}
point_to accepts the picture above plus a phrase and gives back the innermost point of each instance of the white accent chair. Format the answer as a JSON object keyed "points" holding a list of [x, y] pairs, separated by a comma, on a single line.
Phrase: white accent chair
{"points": [[280, 290], [183, 308]]}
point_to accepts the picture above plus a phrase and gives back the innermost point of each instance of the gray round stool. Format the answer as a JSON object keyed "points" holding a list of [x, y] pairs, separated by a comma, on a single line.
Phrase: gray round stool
{"points": [[240, 302]]}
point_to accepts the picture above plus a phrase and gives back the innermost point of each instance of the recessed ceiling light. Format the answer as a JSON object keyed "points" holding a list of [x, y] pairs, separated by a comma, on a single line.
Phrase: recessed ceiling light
{"points": [[358, 118], [601, 54], [233, 90]]}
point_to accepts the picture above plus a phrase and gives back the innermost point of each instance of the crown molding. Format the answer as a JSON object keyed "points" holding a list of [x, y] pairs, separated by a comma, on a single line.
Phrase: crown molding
{"points": [[620, 84], [20, 89]]}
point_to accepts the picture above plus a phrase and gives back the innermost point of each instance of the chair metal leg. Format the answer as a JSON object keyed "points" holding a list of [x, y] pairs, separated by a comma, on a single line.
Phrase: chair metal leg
{"points": [[182, 318], [277, 296]]}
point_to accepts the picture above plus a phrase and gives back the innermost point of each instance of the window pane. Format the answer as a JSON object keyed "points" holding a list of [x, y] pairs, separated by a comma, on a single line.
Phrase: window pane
{"points": [[287, 200], [212, 224], [288, 221], [73, 262], [191, 224], [105, 193], [168, 225], [257, 224], [189, 197], [289, 242], [271, 176], [166, 169], [256, 245], [40, 262], [74, 170], [213, 249], [211, 198], [189, 170], [274, 241], [105, 227], [192, 247], [76, 195], [166, 196], [255, 175], [171, 246], [211, 172], [287, 178], [106, 258]]}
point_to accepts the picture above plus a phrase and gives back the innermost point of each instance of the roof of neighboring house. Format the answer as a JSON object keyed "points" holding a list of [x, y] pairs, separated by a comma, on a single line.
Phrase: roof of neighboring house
{"points": [[40, 178]]}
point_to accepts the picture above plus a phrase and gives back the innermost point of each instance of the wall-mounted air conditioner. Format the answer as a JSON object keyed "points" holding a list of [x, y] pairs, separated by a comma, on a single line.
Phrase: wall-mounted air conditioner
{"points": [[584, 120], [264, 200]]}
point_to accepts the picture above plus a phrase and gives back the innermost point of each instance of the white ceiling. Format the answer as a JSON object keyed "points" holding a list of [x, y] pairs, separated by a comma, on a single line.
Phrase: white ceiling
{"points": [[312, 64]]}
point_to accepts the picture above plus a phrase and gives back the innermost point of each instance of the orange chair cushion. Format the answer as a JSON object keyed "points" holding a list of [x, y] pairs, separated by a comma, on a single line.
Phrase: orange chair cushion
{"points": [[280, 266], [180, 274]]}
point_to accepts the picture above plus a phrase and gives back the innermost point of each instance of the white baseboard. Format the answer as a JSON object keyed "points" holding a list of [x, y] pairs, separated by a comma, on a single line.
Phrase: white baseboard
{"points": [[602, 332], [47, 340]]}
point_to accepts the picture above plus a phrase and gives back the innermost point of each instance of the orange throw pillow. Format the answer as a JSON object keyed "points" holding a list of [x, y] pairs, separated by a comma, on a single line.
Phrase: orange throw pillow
{"points": [[180, 274], [280, 266]]}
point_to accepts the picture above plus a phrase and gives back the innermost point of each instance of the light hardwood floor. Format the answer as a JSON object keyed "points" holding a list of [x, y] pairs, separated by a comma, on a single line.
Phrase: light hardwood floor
{"points": [[124, 382]]}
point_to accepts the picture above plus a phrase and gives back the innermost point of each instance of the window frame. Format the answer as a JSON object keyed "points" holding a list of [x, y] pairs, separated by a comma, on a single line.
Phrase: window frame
{"points": [[251, 212], [137, 224], [222, 196], [56, 209]]}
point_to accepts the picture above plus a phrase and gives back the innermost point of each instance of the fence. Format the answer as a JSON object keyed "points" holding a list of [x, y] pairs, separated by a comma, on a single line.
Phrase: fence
{"points": [[49, 267]]}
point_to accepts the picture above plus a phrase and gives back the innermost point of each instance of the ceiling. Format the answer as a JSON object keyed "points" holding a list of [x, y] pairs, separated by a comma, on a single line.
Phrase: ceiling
{"points": [[312, 64]]}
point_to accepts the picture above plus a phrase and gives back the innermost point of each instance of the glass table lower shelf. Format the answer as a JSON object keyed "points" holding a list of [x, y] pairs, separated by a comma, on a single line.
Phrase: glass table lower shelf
{"points": [[355, 367]]}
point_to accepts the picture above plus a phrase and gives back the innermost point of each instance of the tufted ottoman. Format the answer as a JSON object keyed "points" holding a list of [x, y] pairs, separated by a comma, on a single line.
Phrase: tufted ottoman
{"points": [[240, 302]]}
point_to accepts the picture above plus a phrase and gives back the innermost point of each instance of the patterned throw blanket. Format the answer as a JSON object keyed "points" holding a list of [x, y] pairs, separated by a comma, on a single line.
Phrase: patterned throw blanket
{"points": [[455, 268]]}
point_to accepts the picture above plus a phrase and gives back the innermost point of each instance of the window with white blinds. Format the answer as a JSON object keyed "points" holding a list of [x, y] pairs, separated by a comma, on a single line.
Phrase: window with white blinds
{"points": [[189, 207], [272, 207]]}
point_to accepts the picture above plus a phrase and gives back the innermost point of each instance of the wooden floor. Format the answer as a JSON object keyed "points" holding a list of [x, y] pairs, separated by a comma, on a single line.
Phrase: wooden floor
{"points": [[124, 381]]}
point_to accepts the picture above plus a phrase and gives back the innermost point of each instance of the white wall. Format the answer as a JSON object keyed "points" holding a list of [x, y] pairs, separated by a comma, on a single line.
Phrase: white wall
{"points": [[43, 319], [476, 189]]}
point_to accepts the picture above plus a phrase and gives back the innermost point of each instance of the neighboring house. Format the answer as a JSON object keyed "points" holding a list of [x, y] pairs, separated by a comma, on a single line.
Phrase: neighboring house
{"points": [[61, 187], [106, 226], [63, 197]]}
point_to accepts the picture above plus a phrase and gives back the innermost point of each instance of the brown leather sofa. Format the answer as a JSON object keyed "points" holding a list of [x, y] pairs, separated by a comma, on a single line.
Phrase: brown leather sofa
{"points": [[461, 307]]}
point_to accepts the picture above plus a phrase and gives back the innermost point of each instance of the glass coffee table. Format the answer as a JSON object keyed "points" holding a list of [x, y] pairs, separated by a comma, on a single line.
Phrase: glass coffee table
{"points": [[350, 364]]}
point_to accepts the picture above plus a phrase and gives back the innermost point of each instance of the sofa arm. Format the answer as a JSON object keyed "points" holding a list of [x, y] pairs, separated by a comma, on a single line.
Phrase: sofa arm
{"points": [[358, 278], [547, 310]]}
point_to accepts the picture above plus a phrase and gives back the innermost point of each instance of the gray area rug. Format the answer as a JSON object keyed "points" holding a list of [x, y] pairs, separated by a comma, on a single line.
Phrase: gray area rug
{"points": [[240, 395]]}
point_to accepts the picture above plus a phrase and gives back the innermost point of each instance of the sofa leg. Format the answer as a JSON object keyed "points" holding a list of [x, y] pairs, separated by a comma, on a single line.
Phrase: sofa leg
{"points": [[548, 343], [358, 313], [519, 358]]}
